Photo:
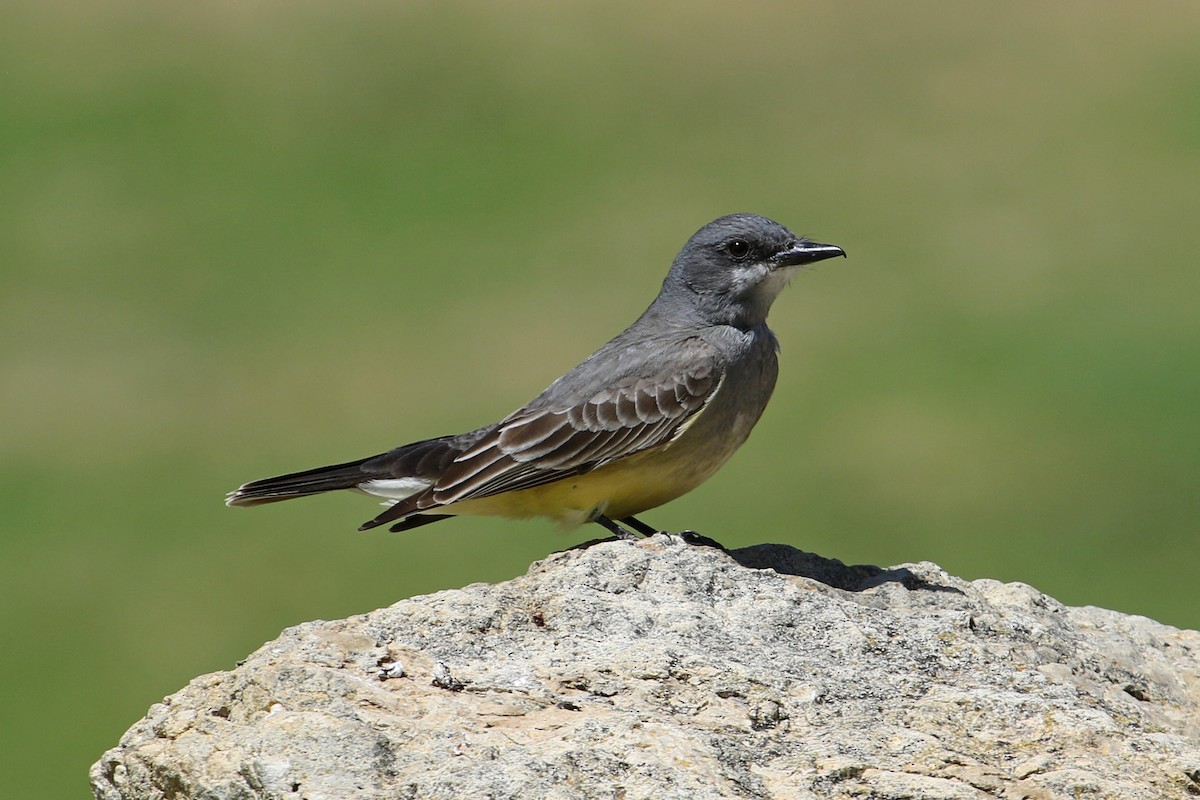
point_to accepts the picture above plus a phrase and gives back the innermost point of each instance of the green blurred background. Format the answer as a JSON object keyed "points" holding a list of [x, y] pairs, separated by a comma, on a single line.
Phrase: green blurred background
{"points": [[238, 239]]}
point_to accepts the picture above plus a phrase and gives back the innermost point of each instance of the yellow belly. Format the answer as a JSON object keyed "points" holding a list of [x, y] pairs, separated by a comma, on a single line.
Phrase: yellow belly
{"points": [[618, 490]]}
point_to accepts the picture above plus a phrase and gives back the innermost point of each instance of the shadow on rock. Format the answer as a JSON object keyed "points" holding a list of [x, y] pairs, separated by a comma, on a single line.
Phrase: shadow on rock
{"points": [[787, 560]]}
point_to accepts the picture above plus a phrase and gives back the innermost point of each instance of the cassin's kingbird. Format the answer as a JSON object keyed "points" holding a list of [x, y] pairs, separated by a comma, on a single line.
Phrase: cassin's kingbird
{"points": [[646, 418]]}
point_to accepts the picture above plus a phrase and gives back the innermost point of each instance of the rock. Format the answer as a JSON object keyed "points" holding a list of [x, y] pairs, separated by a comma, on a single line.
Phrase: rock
{"points": [[663, 670]]}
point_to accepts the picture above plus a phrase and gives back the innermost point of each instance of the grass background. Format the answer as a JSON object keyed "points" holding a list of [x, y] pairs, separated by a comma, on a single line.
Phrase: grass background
{"points": [[239, 238]]}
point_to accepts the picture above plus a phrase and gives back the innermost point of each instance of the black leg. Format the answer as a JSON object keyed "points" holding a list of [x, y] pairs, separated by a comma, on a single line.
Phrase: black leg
{"points": [[614, 528], [640, 526]]}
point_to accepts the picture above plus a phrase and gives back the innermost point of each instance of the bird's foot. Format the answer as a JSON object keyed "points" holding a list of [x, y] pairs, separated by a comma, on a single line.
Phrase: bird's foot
{"points": [[615, 529], [688, 537], [700, 540]]}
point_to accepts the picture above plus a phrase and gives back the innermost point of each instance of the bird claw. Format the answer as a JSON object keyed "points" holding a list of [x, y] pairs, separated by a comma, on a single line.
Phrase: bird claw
{"points": [[700, 540]]}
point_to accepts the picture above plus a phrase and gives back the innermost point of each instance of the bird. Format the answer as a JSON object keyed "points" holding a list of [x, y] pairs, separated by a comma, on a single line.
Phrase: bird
{"points": [[646, 418]]}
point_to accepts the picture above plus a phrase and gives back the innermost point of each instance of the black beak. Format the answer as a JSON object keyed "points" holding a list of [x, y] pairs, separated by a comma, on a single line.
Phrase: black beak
{"points": [[804, 252]]}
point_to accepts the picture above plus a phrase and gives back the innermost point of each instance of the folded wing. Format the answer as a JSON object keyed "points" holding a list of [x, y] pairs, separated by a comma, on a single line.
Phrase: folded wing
{"points": [[535, 446]]}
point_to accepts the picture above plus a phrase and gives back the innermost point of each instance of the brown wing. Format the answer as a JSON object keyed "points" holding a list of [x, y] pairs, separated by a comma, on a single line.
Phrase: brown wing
{"points": [[532, 448], [535, 447]]}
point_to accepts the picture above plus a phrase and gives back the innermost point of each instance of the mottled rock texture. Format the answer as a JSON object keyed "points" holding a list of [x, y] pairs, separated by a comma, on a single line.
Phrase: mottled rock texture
{"points": [[662, 670]]}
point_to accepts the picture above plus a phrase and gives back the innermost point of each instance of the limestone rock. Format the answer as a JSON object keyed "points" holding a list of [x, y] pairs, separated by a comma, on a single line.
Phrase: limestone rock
{"points": [[664, 670]]}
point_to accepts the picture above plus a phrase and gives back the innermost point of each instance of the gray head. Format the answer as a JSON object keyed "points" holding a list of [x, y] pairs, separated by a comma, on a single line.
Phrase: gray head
{"points": [[733, 268]]}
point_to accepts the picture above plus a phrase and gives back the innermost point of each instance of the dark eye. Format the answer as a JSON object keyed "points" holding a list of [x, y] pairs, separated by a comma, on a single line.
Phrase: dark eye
{"points": [[738, 248]]}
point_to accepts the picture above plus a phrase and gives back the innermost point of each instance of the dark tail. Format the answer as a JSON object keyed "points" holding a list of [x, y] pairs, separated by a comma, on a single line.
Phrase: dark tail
{"points": [[302, 484]]}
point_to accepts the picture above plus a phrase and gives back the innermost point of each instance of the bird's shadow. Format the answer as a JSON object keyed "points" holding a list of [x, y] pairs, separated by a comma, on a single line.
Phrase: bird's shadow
{"points": [[788, 560]]}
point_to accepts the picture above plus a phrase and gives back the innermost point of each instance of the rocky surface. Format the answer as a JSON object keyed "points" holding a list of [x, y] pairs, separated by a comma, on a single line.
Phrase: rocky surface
{"points": [[666, 670]]}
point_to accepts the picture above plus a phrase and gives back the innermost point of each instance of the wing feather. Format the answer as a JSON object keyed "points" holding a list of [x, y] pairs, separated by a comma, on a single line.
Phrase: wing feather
{"points": [[646, 404], [540, 444], [546, 445], [540, 436], [626, 408]]}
